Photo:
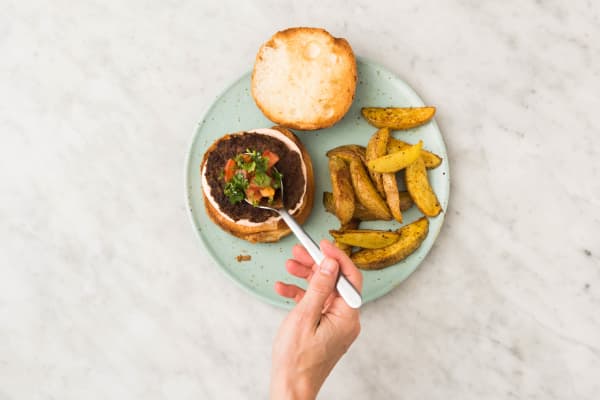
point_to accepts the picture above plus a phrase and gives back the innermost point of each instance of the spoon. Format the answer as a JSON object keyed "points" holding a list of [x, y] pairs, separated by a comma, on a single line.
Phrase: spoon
{"points": [[343, 286]]}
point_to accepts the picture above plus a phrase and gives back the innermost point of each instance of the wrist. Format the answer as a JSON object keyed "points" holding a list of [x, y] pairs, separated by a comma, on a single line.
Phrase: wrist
{"points": [[296, 388]]}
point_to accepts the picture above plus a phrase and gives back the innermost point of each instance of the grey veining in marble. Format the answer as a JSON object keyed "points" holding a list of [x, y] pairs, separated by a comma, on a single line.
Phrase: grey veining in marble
{"points": [[105, 291]]}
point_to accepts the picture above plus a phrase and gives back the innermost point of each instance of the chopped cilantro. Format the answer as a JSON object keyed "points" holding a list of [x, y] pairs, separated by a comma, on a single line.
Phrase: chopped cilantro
{"points": [[235, 189], [252, 160], [277, 178], [262, 179]]}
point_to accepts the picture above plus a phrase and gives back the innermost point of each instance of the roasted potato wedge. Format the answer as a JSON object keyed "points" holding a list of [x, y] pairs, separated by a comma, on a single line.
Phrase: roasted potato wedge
{"points": [[392, 195], [365, 238], [411, 237], [376, 148], [396, 161], [346, 248], [349, 152], [361, 213], [406, 201], [430, 159], [398, 118], [366, 193], [328, 202], [417, 184], [343, 194]]}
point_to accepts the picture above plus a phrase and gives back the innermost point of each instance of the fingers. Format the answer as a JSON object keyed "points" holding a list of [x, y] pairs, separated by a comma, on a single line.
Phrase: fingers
{"points": [[320, 296], [347, 267], [302, 256], [320, 288], [296, 293], [297, 269], [290, 291]]}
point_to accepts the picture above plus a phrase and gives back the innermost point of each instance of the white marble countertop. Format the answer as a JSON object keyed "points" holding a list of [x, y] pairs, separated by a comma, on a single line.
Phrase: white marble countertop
{"points": [[106, 293]]}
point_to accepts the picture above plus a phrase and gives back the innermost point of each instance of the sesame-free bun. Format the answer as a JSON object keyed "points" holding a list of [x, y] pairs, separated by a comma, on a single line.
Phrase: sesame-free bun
{"points": [[304, 78]]}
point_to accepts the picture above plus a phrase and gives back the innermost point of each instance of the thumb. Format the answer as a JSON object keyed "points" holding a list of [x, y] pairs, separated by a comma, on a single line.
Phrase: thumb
{"points": [[321, 285]]}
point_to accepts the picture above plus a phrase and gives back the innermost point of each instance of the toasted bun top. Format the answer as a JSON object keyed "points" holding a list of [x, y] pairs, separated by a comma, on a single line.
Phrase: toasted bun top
{"points": [[304, 78]]}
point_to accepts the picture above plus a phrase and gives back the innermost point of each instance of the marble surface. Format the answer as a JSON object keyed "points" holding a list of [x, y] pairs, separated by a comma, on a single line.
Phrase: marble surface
{"points": [[106, 293]]}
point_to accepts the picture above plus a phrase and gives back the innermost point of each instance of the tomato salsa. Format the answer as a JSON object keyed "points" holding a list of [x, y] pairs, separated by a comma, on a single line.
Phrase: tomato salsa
{"points": [[252, 175]]}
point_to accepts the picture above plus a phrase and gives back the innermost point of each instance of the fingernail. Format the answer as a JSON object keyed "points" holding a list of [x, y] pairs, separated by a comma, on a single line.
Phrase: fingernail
{"points": [[328, 266]]}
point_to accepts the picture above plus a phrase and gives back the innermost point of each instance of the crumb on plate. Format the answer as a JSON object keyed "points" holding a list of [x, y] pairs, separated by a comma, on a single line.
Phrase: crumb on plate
{"points": [[243, 257]]}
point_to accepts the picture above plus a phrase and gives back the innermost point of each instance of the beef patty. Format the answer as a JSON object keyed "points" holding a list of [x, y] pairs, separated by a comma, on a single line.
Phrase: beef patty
{"points": [[289, 164]]}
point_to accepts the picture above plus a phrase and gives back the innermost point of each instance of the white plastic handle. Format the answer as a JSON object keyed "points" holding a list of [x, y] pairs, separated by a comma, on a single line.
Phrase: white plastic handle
{"points": [[343, 286]]}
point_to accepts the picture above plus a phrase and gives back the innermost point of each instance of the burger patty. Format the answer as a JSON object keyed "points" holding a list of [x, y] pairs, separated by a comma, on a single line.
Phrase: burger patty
{"points": [[289, 164]]}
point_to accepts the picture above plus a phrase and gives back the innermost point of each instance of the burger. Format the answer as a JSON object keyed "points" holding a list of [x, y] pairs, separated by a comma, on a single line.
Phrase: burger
{"points": [[242, 169]]}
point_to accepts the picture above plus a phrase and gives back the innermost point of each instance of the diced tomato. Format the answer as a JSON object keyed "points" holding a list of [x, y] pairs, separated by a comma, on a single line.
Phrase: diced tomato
{"points": [[229, 169], [253, 193], [253, 186], [272, 157]]}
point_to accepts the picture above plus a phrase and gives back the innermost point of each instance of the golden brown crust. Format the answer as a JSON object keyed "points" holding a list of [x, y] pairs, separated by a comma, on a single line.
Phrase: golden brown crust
{"points": [[268, 231], [306, 93]]}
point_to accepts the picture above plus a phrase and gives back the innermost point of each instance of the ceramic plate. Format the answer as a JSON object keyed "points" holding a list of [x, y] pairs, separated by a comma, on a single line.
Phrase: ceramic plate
{"points": [[234, 110]]}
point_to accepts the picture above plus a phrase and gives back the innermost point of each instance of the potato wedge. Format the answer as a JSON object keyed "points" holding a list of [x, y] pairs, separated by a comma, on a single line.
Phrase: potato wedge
{"points": [[365, 238], [398, 118], [349, 152], [406, 201], [420, 190], [394, 162], [411, 237], [366, 193], [328, 202], [392, 195], [346, 248], [376, 148], [343, 194], [430, 159], [343, 247], [361, 213]]}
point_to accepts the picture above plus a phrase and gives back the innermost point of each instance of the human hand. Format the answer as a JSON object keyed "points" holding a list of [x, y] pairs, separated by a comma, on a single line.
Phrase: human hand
{"points": [[319, 330]]}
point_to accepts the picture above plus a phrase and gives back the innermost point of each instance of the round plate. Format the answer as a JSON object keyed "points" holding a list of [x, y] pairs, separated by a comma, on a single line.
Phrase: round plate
{"points": [[235, 110]]}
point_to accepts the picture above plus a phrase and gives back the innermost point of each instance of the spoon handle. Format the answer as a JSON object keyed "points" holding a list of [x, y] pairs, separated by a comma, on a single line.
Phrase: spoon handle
{"points": [[343, 286]]}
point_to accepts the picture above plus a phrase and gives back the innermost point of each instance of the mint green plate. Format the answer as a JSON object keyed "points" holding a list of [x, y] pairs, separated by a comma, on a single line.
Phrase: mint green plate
{"points": [[234, 110]]}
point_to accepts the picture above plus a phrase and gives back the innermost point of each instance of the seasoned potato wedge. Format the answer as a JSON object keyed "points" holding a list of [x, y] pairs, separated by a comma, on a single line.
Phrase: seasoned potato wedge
{"points": [[346, 248], [420, 190], [361, 213], [343, 194], [430, 159], [394, 162], [349, 152], [392, 195], [406, 201], [365, 238], [366, 193], [328, 202], [376, 148], [411, 237], [398, 118]]}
